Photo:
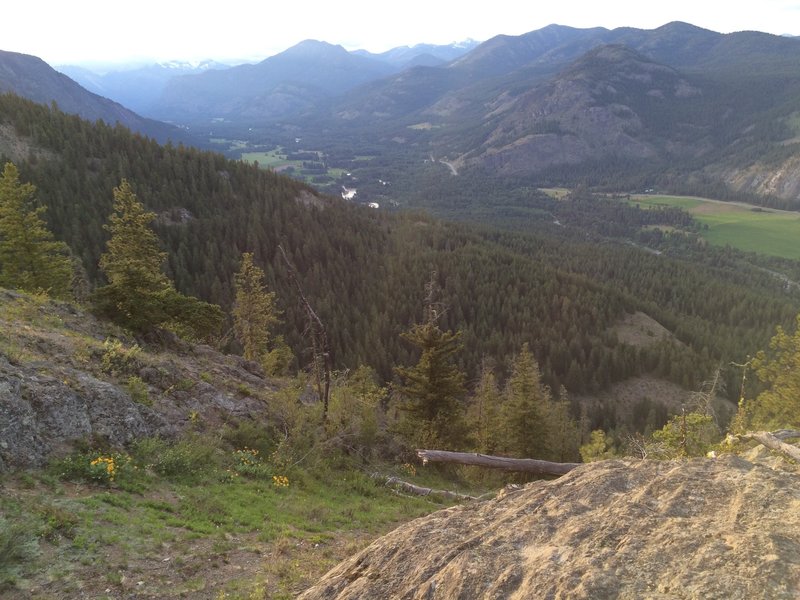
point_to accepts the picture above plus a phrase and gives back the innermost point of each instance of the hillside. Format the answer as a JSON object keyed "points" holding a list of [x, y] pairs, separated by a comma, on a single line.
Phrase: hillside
{"points": [[419, 54], [32, 78], [560, 289], [214, 479], [147, 470], [611, 105], [553, 107], [722, 529], [65, 378], [195, 504]]}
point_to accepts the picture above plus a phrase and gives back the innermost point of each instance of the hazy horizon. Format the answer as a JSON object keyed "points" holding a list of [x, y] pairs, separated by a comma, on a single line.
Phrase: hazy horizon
{"points": [[92, 33]]}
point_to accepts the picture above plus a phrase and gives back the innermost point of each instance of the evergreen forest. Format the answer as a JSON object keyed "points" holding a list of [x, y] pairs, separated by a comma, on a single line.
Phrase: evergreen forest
{"points": [[512, 284]]}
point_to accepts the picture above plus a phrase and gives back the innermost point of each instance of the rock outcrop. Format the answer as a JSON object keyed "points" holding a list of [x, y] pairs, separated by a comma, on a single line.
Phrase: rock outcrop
{"points": [[725, 528], [62, 383]]}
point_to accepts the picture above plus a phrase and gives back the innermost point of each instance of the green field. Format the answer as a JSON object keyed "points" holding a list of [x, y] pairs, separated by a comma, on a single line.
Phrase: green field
{"points": [[557, 193], [273, 159], [741, 226]]}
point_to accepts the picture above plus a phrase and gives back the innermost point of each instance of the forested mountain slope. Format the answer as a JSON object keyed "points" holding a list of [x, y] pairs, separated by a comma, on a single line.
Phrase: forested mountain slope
{"points": [[365, 270], [32, 78]]}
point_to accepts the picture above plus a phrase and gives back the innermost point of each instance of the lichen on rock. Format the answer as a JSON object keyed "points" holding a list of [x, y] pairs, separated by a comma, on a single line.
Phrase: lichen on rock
{"points": [[724, 528]]}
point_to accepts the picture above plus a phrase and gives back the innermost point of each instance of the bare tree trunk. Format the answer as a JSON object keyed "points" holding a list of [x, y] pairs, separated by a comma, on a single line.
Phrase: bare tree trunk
{"points": [[319, 340], [773, 441], [410, 488], [522, 465]]}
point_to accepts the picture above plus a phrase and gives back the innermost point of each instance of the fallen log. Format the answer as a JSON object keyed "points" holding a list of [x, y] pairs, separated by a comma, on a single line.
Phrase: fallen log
{"points": [[522, 465], [785, 434], [418, 490], [409, 488], [773, 441]]}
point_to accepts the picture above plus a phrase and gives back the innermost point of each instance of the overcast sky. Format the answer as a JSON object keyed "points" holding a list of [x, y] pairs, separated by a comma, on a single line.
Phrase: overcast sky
{"points": [[81, 31]]}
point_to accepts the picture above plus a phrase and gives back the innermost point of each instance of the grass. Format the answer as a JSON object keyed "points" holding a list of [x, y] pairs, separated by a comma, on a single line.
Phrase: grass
{"points": [[557, 193], [276, 159], [189, 518], [337, 173], [762, 231], [270, 160]]}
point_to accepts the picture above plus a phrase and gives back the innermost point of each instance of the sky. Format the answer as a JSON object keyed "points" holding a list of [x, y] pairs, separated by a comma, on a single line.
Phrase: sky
{"points": [[90, 31]]}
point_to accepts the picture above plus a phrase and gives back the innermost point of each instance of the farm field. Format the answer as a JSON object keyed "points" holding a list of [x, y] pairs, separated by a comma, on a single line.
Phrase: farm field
{"points": [[273, 159], [743, 226]]}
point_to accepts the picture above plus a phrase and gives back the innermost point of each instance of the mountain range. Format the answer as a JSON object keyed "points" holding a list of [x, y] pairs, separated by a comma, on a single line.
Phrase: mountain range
{"points": [[137, 88], [32, 78], [678, 107]]}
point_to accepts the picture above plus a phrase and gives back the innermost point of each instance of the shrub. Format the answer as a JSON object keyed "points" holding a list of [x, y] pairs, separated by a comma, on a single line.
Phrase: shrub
{"points": [[57, 522], [278, 361], [247, 462], [92, 467], [187, 459], [17, 546], [118, 359], [248, 434], [138, 390]]}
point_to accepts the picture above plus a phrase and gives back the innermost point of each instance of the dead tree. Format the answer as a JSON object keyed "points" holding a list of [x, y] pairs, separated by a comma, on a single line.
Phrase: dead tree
{"points": [[315, 331], [409, 488], [774, 441], [433, 308], [521, 465]]}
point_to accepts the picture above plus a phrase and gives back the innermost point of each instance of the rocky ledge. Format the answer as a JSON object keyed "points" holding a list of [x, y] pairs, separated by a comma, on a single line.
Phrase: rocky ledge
{"points": [[724, 528]]}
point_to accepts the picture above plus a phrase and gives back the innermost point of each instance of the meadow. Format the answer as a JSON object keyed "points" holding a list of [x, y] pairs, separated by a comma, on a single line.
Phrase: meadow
{"points": [[274, 159], [743, 226], [192, 519]]}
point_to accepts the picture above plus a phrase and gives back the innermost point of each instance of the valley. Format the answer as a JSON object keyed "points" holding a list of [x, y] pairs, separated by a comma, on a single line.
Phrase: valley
{"points": [[228, 320]]}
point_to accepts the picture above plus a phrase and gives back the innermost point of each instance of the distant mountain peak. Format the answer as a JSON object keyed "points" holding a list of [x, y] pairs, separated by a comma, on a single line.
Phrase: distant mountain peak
{"points": [[313, 48], [681, 26], [190, 65]]}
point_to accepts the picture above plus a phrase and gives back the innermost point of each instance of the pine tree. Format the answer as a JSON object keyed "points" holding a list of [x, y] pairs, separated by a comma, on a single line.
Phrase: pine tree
{"points": [[139, 295], [432, 390], [132, 256], [30, 259], [254, 311], [778, 406], [132, 263], [525, 410], [485, 413], [563, 433]]}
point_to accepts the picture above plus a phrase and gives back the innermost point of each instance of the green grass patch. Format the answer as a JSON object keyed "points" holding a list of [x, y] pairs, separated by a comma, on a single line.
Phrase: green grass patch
{"points": [[557, 193], [270, 160], [745, 227], [177, 511], [336, 173]]}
